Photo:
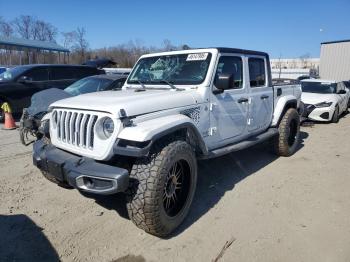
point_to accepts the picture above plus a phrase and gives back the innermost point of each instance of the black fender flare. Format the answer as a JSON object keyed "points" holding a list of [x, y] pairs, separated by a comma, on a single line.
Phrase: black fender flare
{"points": [[139, 149]]}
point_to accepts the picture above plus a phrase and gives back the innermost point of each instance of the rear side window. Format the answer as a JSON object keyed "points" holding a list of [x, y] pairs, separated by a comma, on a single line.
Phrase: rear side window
{"points": [[257, 74], [231, 65], [60, 73], [38, 74]]}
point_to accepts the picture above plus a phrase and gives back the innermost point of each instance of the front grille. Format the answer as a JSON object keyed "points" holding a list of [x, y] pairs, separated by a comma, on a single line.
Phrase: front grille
{"points": [[75, 128]]}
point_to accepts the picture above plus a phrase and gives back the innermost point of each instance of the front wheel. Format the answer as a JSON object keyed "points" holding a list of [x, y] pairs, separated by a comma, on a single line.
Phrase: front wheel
{"points": [[335, 118], [287, 141], [162, 187]]}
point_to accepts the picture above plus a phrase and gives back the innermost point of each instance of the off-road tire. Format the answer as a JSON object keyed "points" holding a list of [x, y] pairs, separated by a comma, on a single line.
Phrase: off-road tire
{"points": [[287, 141], [148, 184], [335, 117]]}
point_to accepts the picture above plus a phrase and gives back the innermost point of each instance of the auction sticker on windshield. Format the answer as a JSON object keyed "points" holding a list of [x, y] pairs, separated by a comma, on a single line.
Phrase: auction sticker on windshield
{"points": [[197, 57]]}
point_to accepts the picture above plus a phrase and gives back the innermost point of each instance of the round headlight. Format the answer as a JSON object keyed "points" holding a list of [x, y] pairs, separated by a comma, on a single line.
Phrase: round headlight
{"points": [[108, 127]]}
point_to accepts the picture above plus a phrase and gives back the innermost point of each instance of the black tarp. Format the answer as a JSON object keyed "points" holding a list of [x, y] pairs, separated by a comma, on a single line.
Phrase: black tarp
{"points": [[100, 62]]}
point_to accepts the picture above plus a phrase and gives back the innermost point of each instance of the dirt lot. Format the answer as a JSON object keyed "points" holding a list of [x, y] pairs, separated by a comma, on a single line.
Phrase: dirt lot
{"points": [[274, 209]]}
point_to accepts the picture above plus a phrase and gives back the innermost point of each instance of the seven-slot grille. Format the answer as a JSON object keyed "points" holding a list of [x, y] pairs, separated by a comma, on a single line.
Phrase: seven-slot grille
{"points": [[75, 128]]}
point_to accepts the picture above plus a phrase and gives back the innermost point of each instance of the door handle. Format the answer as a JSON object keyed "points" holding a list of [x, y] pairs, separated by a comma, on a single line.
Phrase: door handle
{"points": [[242, 100], [264, 97]]}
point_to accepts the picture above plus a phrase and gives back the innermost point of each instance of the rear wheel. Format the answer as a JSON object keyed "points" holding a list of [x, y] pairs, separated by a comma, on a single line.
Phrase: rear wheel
{"points": [[335, 118], [287, 141], [162, 187]]}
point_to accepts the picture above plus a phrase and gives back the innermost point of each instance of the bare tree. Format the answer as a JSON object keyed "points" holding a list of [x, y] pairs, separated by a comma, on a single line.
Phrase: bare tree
{"points": [[81, 44], [7, 31], [5, 28], [168, 46], [69, 38], [24, 26], [43, 31]]}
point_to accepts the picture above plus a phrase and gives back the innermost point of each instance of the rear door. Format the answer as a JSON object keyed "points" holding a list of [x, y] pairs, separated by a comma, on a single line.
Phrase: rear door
{"points": [[260, 95], [229, 109]]}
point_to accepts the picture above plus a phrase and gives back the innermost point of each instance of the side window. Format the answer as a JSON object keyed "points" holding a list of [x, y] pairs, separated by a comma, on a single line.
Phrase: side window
{"points": [[257, 74], [231, 65], [38, 74], [60, 73]]}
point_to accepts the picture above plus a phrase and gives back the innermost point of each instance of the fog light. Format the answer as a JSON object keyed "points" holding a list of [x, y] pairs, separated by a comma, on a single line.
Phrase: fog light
{"points": [[88, 182]]}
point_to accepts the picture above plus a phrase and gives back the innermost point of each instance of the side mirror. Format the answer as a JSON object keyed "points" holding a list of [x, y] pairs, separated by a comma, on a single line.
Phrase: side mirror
{"points": [[341, 92], [224, 81], [23, 79]]}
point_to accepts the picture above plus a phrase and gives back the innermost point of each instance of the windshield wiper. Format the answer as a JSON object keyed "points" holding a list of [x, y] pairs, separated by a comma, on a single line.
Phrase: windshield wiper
{"points": [[172, 86], [141, 84], [168, 83]]}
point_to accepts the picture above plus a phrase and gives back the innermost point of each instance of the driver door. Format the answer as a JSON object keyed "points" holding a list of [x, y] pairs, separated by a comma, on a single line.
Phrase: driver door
{"points": [[229, 109]]}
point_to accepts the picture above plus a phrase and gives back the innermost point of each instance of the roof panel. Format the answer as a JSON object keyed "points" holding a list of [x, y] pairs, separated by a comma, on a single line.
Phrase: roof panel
{"points": [[35, 44]]}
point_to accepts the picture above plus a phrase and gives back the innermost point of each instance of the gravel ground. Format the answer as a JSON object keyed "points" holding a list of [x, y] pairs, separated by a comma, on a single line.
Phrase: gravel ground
{"points": [[267, 208]]}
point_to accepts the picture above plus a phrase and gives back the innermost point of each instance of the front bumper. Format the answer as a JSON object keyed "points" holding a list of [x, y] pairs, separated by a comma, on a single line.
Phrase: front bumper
{"points": [[79, 172], [318, 113]]}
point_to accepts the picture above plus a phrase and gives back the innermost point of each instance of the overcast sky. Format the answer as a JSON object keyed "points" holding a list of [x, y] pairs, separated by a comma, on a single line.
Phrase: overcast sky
{"points": [[287, 28]]}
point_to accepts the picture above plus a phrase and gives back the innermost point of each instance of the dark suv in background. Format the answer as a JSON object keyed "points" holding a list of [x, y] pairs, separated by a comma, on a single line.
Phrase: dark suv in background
{"points": [[18, 84]]}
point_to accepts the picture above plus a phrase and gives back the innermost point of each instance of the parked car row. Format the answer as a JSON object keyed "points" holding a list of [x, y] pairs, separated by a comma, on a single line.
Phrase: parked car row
{"points": [[18, 84]]}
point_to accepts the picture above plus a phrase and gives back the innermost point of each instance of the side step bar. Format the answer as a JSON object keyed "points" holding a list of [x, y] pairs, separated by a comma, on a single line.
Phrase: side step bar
{"points": [[241, 145]]}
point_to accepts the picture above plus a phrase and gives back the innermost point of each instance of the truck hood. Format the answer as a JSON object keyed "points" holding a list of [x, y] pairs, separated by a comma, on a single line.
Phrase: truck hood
{"points": [[134, 103], [314, 98]]}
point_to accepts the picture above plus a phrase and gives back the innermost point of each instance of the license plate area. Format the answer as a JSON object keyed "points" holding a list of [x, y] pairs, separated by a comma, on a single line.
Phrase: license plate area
{"points": [[55, 170]]}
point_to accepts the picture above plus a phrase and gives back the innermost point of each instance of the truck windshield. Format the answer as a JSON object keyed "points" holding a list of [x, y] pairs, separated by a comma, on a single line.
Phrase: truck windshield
{"points": [[182, 69], [12, 73], [318, 87]]}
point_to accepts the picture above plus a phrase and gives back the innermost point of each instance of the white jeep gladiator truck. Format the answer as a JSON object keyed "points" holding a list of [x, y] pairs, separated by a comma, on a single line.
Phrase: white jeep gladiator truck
{"points": [[175, 108]]}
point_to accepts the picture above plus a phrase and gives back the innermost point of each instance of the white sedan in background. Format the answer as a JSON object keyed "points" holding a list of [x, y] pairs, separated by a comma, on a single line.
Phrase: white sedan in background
{"points": [[324, 100]]}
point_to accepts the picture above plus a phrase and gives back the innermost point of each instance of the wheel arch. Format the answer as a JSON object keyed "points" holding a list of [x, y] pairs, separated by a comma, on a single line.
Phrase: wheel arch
{"points": [[136, 141], [281, 108]]}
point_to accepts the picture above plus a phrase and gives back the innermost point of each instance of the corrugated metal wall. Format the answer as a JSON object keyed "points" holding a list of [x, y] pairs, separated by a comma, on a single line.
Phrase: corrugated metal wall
{"points": [[335, 61]]}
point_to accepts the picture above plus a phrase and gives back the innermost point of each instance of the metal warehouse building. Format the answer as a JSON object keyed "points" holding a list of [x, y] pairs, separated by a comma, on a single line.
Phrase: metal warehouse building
{"points": [[335, 60]]}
